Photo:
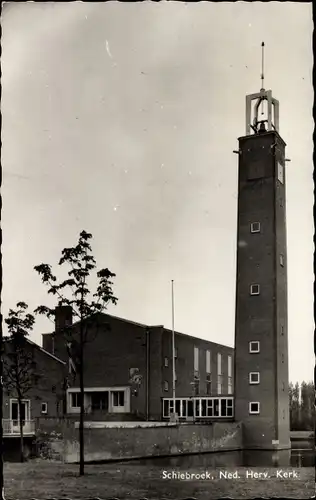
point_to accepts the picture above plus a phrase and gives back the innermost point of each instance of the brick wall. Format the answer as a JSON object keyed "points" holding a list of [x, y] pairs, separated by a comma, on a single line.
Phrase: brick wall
{"points": [[48, 389], [124, 443], [119, 345]]}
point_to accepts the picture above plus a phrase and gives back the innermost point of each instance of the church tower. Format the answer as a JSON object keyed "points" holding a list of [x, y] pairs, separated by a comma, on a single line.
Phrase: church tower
{"points": [[261, 341]]}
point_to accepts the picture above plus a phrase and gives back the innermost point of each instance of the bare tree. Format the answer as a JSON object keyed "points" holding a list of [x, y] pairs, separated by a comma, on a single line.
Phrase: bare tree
{"points": [[85, 306], [19, 366]]}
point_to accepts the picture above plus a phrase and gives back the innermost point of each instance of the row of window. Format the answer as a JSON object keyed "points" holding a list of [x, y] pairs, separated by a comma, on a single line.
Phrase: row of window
{"points": [[196, 381], [99, 400], [199, 407]]}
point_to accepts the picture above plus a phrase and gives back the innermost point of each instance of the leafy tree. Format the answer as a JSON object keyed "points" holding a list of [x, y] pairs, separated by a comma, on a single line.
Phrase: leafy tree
{"points": [[302, 406], [74, 292], [19, 367]]}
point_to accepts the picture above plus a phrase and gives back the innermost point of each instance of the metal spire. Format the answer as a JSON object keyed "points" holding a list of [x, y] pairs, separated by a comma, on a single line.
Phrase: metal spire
{"points": [[262, 66]]}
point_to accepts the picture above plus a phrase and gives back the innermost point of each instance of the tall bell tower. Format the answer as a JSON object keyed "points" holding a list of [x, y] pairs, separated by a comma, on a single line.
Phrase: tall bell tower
{"points": [[261, 341]]}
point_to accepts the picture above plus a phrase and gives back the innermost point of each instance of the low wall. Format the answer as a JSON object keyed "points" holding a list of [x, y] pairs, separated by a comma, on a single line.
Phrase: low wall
{"points": [[118, 443]]}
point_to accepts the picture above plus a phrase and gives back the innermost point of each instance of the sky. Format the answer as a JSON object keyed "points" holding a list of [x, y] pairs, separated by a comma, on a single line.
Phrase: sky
{"points": [[121, 119]]}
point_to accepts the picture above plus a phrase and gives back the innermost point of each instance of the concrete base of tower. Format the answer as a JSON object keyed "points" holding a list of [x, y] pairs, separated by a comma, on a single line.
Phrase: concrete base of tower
{"points": [[267, 446], [264, 435]]}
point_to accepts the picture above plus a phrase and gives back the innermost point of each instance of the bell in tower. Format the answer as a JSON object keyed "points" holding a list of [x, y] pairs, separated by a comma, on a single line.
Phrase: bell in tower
{"points": [[256, 101]]}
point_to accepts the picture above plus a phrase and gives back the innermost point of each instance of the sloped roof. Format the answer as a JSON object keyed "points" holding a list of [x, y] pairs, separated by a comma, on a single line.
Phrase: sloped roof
{"points": [[7, 339]]}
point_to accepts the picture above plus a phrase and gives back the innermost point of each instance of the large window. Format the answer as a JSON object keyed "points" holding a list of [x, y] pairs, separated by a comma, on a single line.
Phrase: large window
{"points": [[75, 399], [200, 408], [118, 398]]}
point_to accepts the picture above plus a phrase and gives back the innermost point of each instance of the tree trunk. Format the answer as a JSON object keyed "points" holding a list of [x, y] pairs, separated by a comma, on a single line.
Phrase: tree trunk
{"points": [[21, 430], [81, 423]]}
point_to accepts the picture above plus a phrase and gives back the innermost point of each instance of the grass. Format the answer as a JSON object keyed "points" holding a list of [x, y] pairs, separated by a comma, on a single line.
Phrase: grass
{"points": [[43, 480]]}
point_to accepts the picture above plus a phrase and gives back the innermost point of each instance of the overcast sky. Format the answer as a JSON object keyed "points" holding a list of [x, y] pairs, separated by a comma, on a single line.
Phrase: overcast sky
{"points": [[121, 119]]}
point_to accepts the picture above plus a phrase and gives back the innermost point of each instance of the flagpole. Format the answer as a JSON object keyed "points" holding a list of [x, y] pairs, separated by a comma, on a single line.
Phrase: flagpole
{"points": [[173, 354]]}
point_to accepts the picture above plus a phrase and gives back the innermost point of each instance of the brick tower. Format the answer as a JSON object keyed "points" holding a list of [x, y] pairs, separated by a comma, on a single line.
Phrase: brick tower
{"points": [[261, 344]]}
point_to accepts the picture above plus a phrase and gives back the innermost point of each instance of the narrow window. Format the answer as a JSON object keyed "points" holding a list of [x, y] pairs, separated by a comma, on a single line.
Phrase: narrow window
{"points": [[254, 346], [229, 374], [281, 260], [255, 227], [166, 362], [166, 386], [196, 359], [44, 408], [208, 361], [254, 289], [282, 330], [219, 373], [254, 378], [208, 384], [280, 173], [254, 408], [175, 353]]}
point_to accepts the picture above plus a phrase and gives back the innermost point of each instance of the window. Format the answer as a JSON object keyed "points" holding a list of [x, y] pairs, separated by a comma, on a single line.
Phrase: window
{"points": [[282, 330], [254, 408], [75, 399], [175, 376], [165, 386], [281, 260], [208, 361], [208, 384], [282, 358], [196, 383], [254, 346], [280, 173], [118, 398], [196, 359], [175, 353], [254, 378], [229, 372], [44, 408], [166, 362], [255, 227], [281, 202], [219, 373], [254, 289]]}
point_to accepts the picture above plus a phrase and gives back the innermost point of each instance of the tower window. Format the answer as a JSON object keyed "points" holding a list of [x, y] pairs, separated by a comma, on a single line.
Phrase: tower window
{"points": [[282, 330], [166, 386], [254, 408], [255, 227], [280, 173], [254, 378], [166, 362], [254, 346], [281, 260], [254, 289]]}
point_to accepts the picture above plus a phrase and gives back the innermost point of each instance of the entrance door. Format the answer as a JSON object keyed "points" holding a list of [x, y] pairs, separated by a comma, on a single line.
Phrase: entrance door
{"points": [[15, 414]]}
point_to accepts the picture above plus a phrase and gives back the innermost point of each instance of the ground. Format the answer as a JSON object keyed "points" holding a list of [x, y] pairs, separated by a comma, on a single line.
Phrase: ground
{"points": [[44, 480]]}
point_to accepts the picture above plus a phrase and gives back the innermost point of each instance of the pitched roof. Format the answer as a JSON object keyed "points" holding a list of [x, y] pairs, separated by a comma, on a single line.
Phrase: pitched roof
{"points": [[7, 339]]}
